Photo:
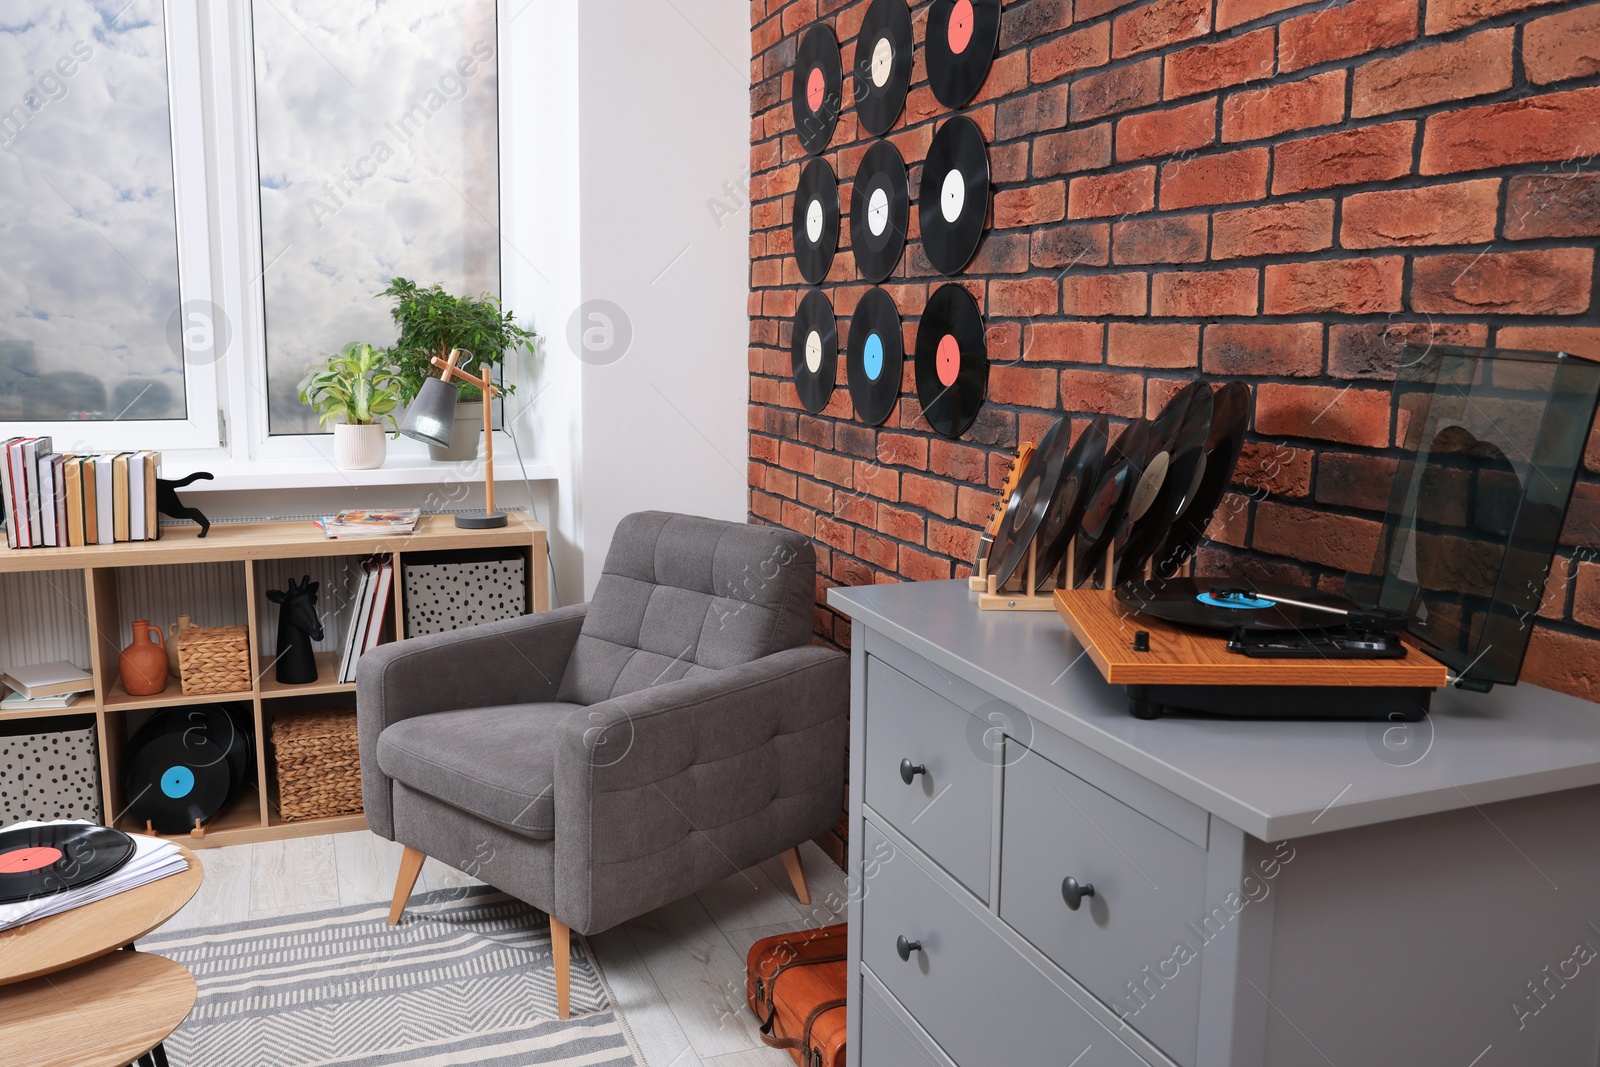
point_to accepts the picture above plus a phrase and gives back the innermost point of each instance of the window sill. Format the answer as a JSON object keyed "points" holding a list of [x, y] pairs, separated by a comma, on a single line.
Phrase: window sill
{"points": [[245, 475]]}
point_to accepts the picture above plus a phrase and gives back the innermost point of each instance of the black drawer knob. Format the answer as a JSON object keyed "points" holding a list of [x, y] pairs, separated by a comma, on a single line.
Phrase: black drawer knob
{"points": [[909, 770], [906, 948], [1073, 893]]}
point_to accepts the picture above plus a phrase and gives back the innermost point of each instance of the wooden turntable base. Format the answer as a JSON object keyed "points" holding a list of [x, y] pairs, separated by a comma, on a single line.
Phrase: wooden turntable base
{"points": [[1183, 657]]}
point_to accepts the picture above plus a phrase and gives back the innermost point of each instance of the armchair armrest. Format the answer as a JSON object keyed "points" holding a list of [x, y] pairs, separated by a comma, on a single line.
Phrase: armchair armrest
{"points": [[513, 661], [665, 790]]}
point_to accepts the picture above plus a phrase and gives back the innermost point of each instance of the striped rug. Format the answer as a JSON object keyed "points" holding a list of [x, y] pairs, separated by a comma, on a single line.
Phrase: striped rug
{"points": [[466, 978]]}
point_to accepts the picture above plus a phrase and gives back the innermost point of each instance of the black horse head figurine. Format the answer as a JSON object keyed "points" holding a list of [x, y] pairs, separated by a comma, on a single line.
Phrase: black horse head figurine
{"points": [[298, 626]]}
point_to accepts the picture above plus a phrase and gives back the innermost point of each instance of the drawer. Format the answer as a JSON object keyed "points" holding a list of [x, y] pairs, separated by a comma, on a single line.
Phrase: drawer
{"points": [[1149, 886], [948, 809], [965, 973], [886, 1037]]}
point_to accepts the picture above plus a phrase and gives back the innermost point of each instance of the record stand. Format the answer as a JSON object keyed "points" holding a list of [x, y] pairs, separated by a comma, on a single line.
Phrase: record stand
{"points": [[1030, 597]]}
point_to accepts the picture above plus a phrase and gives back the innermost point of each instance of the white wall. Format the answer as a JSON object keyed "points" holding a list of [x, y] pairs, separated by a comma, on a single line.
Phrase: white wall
{"points": [[664, 112]]}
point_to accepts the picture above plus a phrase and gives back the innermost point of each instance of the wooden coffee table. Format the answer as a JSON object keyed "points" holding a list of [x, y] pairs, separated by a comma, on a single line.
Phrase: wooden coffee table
{"points": [[68, 998]]}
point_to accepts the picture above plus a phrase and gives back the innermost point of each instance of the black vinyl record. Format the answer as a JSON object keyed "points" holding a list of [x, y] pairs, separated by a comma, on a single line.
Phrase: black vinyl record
{"points": [[960, 45], [1230, 414], [1080, 473], [815, 89], [37, 861], [874, 357], [1103, 512], [816, 220], [883, 64], [814, 351], [1226, 604], [1029, 504], [1171, 477], [185, 764], [952, 360], [953, 201], [880, 211]]}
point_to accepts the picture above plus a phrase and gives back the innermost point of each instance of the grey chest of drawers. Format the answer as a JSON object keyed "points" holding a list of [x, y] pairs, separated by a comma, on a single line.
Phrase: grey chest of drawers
{"points": [[1037, 878]]}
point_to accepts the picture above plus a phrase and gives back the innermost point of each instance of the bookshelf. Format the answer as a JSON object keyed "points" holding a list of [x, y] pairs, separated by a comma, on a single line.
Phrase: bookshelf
{"points": [[234, 565]]}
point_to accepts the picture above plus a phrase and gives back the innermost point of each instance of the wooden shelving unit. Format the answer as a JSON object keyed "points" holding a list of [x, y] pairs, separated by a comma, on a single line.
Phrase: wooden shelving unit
{"points": [[251, 816]]}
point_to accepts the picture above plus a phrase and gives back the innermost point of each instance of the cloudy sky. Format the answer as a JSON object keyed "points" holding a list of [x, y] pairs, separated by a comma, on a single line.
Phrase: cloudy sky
{"points": [[377, 157]]}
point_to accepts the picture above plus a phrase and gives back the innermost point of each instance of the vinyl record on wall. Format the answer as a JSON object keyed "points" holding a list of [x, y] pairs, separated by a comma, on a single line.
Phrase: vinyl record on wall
{"points": [[960, 46], [816, 220], [952, 360], [815, 88], [1230, 413], [814, 351], [874, 357], [880, 211], [883, 64], [953, 203]]}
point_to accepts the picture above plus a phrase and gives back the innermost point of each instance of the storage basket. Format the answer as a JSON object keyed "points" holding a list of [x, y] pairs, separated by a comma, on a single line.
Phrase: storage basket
{"points": [[319, 764], [49, 769], [214, 659]]}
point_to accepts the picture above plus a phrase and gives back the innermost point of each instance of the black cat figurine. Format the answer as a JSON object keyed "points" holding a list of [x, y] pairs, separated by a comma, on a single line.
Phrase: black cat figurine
{"points": [[298, 626], [168, 504]]}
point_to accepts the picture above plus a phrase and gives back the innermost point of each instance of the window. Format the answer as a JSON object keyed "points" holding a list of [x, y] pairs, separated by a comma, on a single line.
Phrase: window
{"points": [[295, 154]]}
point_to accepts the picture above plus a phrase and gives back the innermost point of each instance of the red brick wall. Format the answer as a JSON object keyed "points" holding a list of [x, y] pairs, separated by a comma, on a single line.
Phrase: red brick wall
{"points": [[1266, 190]]}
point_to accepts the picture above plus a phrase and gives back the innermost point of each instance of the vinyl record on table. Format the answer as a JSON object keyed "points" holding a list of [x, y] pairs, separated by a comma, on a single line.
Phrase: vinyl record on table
{"points": [[1226, 604], [1171, 478], [960, 46], [37, 861], [952, 360], [814, 351], [1080, 473], [953, 202], [185, 764], [816, 220], [815, 88], [874, 356], [1230, 414], [883, 64], [1102, 514], [1030, 503], [880, 211]]}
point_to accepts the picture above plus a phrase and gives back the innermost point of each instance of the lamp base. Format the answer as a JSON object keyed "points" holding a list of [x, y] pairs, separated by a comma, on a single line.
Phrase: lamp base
{"points": [[478, 520]]}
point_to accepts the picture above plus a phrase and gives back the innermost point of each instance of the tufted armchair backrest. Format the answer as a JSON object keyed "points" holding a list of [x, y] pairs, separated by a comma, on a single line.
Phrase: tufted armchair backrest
{"points": [[681, 596]]}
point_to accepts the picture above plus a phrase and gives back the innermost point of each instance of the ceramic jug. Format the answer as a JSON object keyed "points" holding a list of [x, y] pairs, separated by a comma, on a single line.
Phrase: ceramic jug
{"points": [[143, 664], [173, 633]]}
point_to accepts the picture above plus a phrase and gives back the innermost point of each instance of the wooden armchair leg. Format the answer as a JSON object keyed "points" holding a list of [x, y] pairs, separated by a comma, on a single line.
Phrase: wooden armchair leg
{"points": [[561, 950], [797, 874], [410, 867]]}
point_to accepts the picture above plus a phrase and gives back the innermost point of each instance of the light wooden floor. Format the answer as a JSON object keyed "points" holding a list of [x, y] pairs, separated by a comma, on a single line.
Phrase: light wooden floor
{"points": [[677, 972]]}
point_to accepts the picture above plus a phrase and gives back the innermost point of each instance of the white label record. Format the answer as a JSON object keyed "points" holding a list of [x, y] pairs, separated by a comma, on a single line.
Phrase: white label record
{"points": [[813, 351], [878, 212], [882, 62], [814, 221], [953, 196]]}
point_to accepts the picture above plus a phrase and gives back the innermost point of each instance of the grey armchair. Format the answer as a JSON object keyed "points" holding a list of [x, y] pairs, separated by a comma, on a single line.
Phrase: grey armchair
{"points": [[600, 760]]}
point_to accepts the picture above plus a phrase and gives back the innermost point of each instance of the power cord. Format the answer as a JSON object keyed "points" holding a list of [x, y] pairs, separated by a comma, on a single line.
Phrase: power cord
{"points": [[533, 505]]}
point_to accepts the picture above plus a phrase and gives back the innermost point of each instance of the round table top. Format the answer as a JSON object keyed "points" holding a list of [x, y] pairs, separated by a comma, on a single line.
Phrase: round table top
{"points": [[104, 1013], [61, 941]]}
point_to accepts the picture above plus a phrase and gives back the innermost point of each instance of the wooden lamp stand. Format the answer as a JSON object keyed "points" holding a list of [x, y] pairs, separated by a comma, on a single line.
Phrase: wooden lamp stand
{"points": [[490, 519]]}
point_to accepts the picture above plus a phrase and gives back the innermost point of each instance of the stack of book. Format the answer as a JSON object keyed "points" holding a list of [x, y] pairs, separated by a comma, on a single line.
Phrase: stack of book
{"points": [[52, 499], [390, 523], [43, 686], [367, 611]]}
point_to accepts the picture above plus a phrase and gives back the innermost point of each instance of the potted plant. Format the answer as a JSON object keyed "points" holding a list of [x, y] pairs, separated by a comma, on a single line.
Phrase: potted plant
{"points": [[432, 322], [360, 390]]}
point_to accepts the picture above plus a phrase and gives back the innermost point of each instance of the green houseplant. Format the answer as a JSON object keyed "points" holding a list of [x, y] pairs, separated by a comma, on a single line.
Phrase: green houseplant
{"points": [[359, 392]]}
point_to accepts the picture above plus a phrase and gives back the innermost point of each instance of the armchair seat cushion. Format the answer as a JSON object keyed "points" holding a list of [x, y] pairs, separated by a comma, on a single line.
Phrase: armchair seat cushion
{"points": [[498, 763]]}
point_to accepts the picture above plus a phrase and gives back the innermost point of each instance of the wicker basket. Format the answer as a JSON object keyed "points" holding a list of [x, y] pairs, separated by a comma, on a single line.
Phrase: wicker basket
{"points": [[214, 659], [319, 765]]}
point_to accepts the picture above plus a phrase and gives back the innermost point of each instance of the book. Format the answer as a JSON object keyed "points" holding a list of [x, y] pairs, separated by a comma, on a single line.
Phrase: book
{"points": [[17, 497], [47, 679], [47, 499], [73, 470], [14, 701], [355, 631], [120, 503], [152, 518], [58, 470], [380, 606], [91, 502], [371, 523], [136, 496], [6, 504], [105, 496], [32, 449]]}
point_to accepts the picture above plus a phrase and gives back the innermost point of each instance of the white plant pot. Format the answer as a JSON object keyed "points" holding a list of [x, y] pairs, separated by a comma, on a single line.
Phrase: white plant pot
{"points": [[359, 448], [466, 436]]}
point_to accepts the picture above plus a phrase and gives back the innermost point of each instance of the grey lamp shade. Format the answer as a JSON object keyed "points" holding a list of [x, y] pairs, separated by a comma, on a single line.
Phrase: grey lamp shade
{"points": [[432, 415]]}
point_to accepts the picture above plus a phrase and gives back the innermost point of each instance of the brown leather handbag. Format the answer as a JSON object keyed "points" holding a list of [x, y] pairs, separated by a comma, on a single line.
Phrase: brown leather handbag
{"points": [[796, 985]]}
